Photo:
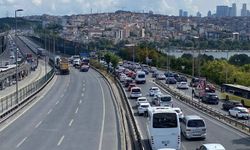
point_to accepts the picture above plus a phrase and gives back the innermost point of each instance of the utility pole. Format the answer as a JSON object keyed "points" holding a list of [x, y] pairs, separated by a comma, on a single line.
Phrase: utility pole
{"points": [[16, 56]]}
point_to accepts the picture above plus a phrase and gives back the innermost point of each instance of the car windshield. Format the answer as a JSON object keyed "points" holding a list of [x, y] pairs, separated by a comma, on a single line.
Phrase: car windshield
{"points": [[196, 123], [136, 90], [141, 76], [165, 120], [243, 110], [165, 98], [144, 106]]}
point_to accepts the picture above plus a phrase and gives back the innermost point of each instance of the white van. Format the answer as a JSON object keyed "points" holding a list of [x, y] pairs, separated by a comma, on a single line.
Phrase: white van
{"points": [[193, 126], [140, 77]]}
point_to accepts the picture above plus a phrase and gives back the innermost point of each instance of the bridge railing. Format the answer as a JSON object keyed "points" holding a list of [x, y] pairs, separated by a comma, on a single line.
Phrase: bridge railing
{"points": [[10, 104]]}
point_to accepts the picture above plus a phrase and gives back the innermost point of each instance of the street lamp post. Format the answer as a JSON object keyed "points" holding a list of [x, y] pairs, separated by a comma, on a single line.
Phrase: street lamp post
{"points": [[16, 56]]}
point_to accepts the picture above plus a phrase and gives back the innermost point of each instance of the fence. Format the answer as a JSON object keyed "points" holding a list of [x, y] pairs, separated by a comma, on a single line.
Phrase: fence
{"points": [[10, 103]]}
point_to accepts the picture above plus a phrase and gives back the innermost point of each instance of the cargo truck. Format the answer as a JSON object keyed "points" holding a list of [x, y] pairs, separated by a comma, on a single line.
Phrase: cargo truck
{"points": [[63, 65]]}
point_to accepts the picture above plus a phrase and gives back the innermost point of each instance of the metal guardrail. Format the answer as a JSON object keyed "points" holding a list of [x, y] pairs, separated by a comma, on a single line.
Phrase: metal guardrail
{"points": [[207, 110], [132, 129], [9, 105]]}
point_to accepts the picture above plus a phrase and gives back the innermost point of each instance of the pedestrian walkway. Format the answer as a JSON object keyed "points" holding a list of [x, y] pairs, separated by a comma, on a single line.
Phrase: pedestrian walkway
{"points": [[33, 76]]}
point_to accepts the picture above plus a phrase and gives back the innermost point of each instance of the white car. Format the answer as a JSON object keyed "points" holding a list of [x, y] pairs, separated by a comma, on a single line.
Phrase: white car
{"points": [[239, 112], [153, 91], [182, 85], [141, 100], [211, 146], [135, 92], [160, 76], [122, 77], [179, 112], [143, 107]]}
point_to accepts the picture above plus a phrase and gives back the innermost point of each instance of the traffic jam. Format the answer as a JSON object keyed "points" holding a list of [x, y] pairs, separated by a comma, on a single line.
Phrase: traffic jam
{"points": [[147, 101]]}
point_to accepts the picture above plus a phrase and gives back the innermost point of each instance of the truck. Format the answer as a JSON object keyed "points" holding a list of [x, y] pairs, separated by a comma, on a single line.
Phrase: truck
{"points": [[62, 64], [202, 88]]}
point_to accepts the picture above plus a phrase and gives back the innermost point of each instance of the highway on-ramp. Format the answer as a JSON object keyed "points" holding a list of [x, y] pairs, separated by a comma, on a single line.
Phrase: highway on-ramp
{"points": [[76, 113]]}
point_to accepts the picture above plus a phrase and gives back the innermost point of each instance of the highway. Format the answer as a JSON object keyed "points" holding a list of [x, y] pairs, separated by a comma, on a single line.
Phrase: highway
{"points": [[76, 113], [218, 107], [216, 131]]}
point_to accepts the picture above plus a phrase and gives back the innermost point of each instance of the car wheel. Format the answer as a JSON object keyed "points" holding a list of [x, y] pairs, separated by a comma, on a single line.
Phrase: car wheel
{"points": [[237, 116]]}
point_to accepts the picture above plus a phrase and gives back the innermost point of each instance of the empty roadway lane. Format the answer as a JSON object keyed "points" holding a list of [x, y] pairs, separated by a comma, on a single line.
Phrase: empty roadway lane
{"points": [[76, 113]]}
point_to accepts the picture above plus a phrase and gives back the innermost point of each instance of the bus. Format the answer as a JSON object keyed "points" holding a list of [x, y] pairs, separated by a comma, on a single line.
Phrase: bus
{"points": [[163, 128], [236, 92]]}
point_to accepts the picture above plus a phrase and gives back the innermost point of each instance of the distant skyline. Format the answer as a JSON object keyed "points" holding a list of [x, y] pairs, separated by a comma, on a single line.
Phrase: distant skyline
{"points": [[69, 7]]}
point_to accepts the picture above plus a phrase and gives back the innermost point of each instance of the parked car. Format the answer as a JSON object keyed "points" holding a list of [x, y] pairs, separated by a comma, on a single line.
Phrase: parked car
{"points": [[160, 76], [229, 104], [154, 90], [182, 85], [210, 98], [170, 80], [143, 107], [130, 86], [211, 146], [239, 112], [135, 92], [141, 100], [193, 126]]}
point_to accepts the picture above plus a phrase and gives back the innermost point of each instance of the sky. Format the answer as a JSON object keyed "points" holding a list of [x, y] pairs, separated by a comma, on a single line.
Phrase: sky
{"points": [[69, 7]]}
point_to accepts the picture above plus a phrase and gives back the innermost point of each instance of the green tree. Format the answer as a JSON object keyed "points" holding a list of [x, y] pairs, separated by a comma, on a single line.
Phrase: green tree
{"points": [[107, 58]]}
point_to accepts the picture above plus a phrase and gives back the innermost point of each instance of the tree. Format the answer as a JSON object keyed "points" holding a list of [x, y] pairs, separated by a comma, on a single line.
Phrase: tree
{"points": [[114, 60], [107, 58]]}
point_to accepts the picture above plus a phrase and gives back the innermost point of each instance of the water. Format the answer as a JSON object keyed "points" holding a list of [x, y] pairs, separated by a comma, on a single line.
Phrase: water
{"points": [[215, 53]]}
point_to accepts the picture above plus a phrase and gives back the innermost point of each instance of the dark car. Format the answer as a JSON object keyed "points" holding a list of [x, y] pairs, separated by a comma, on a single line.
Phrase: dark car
{"points": [[170, 80], [229, 104], [169, 74], [181, 79], [210, 98], [128, 81], [194, 82]]}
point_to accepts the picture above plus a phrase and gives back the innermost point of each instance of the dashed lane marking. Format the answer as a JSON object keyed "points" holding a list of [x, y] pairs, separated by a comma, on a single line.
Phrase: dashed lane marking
{"points": [[21, 142]]}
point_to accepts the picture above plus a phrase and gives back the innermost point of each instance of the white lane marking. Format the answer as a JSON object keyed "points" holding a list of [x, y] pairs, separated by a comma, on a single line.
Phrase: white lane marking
{"points": [[207, 117], [103, 116], [30, 106], [62, 95], [21, 142], [60, 141], [80, 101], [82, 94], [76, 110], [57, 102], [38, 124], [70, 123], [83, 89], [49, 111], [83, 84]]}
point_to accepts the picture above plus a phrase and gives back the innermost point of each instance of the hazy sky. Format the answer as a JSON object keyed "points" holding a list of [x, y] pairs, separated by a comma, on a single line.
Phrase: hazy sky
{"points": [[68, 7]]}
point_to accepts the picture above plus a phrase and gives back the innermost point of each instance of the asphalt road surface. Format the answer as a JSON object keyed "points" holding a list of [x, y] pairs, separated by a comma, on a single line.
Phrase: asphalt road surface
{"points": [[76, 113]]}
